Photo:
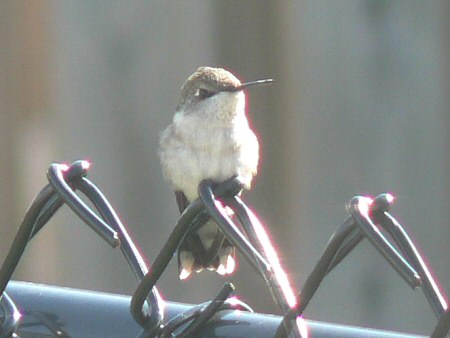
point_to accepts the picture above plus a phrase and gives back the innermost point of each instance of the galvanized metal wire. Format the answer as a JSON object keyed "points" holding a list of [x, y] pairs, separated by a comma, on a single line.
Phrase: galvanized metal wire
{"points": [[369, 218], [443, 326], [9, 316], [63, 181], [211, 195]]}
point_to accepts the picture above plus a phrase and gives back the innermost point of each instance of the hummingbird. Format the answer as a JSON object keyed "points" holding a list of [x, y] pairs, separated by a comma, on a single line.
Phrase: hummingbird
{"points": [[209, 139]]}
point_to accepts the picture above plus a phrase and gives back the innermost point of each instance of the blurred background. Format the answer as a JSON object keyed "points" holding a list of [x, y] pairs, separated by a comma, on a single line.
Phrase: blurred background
{"points": [[360, 106]]}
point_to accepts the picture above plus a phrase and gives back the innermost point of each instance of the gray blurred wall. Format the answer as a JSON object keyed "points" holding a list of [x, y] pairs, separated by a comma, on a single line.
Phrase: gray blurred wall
{"points": [[360, 106]]}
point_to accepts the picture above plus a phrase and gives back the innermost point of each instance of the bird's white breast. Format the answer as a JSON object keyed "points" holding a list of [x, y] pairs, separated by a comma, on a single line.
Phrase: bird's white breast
{"points": [[193, 148]]}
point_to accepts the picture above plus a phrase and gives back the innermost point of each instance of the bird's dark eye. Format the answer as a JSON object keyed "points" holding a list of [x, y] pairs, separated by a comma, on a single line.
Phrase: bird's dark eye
{"points": [[204, 93]]}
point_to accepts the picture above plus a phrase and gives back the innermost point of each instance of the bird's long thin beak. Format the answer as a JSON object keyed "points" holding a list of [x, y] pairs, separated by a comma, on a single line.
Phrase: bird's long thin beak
{"points": [[248, 84]]}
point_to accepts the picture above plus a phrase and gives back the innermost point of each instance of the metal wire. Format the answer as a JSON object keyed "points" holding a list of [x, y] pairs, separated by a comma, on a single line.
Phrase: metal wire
{"points": [[22, 236], [429, 287], [77, 170], [63, 180], [208, 312], [56, 179], [9, 316], [187, 218], [349, 234], [252, 227], [252, 248], [50, 208], [443, 326], [190, 321], [380, 204], [127, 246], [231, 231], [359, 209], [162, 260], [39, 212], [207, 200], [316, 276], [178, 321], [368, 219]]}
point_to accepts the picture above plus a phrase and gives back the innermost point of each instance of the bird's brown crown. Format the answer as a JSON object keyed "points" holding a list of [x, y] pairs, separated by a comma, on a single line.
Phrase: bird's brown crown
{"points": [[212, 80]]}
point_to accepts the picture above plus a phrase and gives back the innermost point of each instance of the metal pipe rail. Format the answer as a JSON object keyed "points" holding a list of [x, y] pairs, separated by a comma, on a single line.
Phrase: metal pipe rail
{"points": [[49, 311]]}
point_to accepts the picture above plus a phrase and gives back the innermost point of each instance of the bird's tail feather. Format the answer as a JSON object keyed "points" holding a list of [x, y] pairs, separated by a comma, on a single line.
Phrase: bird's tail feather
{"points": [[195, 253]]}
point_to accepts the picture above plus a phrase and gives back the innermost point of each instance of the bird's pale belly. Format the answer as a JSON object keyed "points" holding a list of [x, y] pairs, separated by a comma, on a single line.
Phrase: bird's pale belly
{"points": [[193, 166]]}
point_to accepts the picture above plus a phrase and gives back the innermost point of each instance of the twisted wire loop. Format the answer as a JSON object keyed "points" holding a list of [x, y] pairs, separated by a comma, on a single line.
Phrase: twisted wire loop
{"points": [[359, 208], [254, 247], [109, 228], [229, 228], [368, 219], [56, 178], [188, 217], [63, 182]]}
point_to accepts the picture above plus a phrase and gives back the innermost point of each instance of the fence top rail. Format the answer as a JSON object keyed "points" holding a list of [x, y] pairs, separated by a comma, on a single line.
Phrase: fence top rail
{"points": [[67, 312]]}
